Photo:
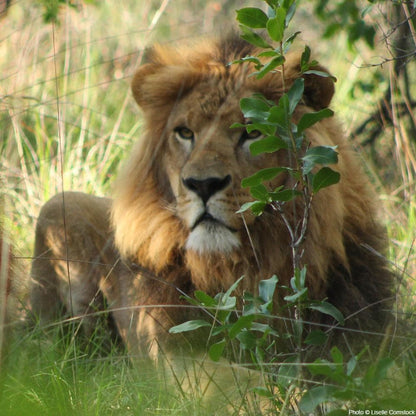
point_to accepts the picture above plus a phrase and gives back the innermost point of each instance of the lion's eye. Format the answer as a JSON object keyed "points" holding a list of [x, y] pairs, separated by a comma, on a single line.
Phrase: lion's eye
{"points": [[254, 134], [184, 133]]}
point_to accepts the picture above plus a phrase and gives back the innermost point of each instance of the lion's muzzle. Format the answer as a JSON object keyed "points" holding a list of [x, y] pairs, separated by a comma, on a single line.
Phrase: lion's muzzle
{"points": [[209, 231]]}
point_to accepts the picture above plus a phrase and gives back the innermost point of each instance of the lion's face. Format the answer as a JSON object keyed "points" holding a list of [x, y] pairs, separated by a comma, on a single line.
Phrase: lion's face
{"points": [[206, 161], [184, 176]]}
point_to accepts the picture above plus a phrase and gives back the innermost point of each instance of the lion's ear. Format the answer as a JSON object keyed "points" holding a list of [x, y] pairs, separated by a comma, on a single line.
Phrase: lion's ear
{"points": [[139, 85], [319, 84], [157, 85], [319, 89]]}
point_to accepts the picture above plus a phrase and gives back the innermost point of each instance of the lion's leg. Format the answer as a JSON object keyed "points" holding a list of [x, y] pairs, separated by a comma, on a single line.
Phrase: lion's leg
{"points": [[72, 256]]}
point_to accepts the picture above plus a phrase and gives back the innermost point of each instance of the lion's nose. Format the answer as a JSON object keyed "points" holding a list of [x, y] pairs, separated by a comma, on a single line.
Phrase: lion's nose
{"points": [[205, 188]]}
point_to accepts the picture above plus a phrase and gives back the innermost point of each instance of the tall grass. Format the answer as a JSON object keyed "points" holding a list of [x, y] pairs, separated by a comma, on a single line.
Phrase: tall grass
{"points": [[49, 376], [67, 119]]}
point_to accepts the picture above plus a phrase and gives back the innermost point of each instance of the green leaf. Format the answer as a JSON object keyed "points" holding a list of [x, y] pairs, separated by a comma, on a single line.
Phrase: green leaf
{"points": [[324, 178], [299, 279], [269, 144], [337, 356], [304, 59], [315, 397], [270, 66], [332, 370], [322, 368], [288, 371], [279, 114], [319, 155], [243, 322], [251, 59], [254, 108], [250, 304], [253, 38], [309, 119], [288, 42], [265, 128], [320, 74], [290, 6], [204, 299], [316, 337], [262, 175], [276, 25], [227, 295], [260, 192], [263, 328], [295, 94], [328, 309], [189, 326], [284, 196], [226, 302], [257, 207], [237, 126], [351, 365], [223, 303], [269, 54], [297, 296], [247, 340], [267, 288], [273, 3], [220, 329], [216, 350], [252, 17]]}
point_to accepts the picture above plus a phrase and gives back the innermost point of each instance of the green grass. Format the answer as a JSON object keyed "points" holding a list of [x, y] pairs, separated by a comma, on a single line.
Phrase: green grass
{"points": [[67, 120], [53, 373], [50, 375]]}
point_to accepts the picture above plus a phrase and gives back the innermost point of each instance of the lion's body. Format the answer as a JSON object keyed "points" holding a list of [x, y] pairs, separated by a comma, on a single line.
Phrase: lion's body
{"points": [[174, 221]]}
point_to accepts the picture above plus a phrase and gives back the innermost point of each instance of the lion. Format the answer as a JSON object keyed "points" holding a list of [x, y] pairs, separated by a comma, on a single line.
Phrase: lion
{"points": [[173, 227]]}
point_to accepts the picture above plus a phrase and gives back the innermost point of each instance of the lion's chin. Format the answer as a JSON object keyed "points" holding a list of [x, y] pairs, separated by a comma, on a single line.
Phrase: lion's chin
{"points": [[211, 237]]}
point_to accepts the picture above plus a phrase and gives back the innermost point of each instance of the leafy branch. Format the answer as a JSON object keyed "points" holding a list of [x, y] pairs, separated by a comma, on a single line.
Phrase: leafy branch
{"points": [[280, 132]]}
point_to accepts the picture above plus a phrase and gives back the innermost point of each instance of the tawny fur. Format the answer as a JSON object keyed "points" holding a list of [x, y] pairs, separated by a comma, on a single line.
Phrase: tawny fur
{"points": [[195, 87]]}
